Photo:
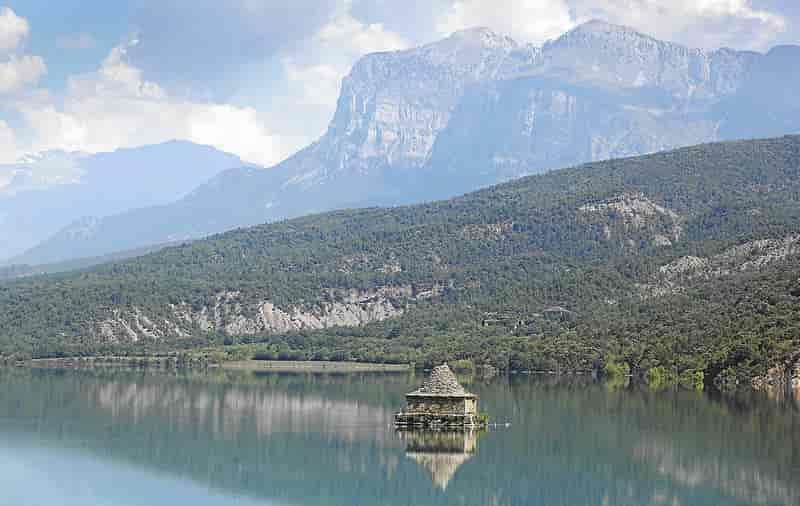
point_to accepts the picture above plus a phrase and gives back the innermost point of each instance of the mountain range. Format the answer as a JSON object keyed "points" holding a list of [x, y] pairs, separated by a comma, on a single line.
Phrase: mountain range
{"points": [[472, 110], [43, 194], [684, 262]]}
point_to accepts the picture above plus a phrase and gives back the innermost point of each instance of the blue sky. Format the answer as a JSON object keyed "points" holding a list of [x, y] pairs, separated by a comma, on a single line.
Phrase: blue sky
{"points": [[259, 78]]}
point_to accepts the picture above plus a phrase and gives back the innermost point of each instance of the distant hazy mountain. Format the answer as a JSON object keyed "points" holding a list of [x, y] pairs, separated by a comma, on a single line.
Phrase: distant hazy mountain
{"points": [[474, 109], [42, 194]]}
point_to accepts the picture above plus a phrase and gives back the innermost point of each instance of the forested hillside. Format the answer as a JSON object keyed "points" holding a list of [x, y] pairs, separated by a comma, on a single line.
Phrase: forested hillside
{"points": [[685, 260]]}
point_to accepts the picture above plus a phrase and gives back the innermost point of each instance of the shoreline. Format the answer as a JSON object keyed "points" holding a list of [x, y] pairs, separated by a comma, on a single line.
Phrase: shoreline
{"points": [[310, 365], [236, 365]]}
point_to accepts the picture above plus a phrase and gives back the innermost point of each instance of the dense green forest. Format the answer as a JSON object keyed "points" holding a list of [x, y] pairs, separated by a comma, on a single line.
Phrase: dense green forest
{"points": [[683, 262]]}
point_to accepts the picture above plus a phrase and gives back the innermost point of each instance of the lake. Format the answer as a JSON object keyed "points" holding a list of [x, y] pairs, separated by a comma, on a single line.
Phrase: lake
{"points": [[127, 437]]}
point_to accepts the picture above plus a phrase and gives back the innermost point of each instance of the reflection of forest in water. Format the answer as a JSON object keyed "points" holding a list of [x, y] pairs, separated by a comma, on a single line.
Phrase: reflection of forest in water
{"points": [[327, 438]]}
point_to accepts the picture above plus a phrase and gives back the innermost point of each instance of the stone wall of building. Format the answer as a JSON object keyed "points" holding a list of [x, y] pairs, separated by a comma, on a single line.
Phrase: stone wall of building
{"points": [[471, 406], [435, 405]]}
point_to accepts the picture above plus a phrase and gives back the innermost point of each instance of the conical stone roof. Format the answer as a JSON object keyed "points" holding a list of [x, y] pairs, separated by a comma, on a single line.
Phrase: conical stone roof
{"points": [[441, 383]]}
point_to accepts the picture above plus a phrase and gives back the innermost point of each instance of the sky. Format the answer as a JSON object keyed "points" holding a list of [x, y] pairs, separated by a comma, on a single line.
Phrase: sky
{"points": [[260, 78]]}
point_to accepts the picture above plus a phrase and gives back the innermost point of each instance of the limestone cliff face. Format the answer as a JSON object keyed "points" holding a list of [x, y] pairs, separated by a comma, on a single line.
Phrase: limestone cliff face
{"points": [[230, 313], [233, 314], [597, 92], [393, 106], [600, 91]]}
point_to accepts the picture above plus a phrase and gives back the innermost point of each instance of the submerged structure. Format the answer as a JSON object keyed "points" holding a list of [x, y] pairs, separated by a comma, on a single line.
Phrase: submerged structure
{"points": [[441, 402]]}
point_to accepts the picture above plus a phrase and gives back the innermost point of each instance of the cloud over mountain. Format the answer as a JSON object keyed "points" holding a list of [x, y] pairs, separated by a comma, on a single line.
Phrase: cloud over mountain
{"points": [[260, 78]]}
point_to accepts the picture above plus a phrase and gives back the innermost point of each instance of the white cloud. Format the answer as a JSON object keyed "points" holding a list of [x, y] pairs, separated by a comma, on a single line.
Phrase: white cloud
{"points": [[116, 107], [700, 23], [347, 33], [335, 47], [316, 84], [525, 20], [8, 147], [13, 29], [18, 72]]}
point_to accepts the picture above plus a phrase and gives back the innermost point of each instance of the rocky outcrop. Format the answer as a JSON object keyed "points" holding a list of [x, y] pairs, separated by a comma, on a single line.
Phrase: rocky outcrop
{"points": [[229, 313], [750, 256], [780, 378], [487, 232], [362, 262], [131, 326], [794, 378], [633, 216], [744, 257], [232, 314]]}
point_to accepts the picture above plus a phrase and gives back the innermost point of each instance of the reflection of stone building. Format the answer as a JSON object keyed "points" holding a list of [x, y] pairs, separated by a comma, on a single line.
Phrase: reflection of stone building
{"points": [[440, 453], [441, 401]]}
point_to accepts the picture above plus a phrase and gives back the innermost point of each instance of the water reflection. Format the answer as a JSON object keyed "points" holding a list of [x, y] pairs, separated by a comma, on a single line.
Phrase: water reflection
{"points": [[440, 453], [310, 439], [234, 409], [741, 480]]}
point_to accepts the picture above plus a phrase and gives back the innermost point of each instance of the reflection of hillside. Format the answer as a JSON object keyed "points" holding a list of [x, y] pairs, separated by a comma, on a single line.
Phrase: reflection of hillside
{"points": [[441, 453], [742, 481], [328, 439], [289, 438], [229, 411]]}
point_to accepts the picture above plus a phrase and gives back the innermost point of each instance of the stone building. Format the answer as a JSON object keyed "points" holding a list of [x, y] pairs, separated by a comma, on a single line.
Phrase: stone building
{"points": [[441, 401]]}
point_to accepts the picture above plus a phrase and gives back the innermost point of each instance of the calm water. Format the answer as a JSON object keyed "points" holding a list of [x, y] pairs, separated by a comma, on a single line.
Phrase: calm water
{"points": [[131, 438]]}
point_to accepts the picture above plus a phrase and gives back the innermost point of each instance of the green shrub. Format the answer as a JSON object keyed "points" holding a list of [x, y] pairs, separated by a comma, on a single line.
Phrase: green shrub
{"points": [[692, 379], [616, 370], [660, 377]]}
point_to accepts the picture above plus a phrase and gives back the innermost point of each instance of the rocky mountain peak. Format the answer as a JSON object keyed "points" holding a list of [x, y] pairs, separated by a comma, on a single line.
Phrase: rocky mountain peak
{"points": [[482, 36], [601, 28], [618, 57], [393, 104], [601, 36]]}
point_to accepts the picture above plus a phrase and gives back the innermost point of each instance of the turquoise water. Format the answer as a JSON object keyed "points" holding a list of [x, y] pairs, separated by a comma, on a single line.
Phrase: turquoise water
{"points": [[130, 438]]}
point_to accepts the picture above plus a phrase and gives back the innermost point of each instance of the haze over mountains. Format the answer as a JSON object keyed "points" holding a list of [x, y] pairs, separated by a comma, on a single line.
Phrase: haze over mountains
{"points": [[43, 194], [472, 110]]}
